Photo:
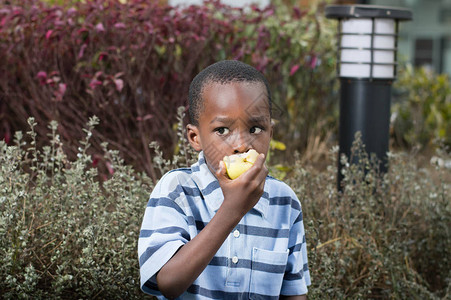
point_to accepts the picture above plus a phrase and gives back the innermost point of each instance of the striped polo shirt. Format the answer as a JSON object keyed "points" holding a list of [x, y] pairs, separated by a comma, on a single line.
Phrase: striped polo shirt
{"points": [[263, 257]]}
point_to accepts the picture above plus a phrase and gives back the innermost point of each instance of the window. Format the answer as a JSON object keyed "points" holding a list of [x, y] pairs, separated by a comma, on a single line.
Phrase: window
{"points": [[445, 16], [424, 52]]}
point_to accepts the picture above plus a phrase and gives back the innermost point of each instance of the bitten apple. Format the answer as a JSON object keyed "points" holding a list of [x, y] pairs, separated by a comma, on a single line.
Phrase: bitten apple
{"points": [[237, 164]]}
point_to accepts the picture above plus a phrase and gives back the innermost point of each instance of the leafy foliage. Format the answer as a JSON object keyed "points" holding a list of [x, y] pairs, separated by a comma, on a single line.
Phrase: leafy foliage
{"points": [[65, 235], [131, 62], [385, 235], [422, 109]]}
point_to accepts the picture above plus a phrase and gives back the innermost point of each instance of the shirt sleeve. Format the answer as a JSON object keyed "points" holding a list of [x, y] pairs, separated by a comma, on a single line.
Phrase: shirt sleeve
{"points": [[163, 231], [297, 276]]}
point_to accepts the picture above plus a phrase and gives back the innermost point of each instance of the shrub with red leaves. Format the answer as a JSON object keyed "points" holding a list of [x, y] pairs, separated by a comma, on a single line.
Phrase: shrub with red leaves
{"points": [[131, 65]]}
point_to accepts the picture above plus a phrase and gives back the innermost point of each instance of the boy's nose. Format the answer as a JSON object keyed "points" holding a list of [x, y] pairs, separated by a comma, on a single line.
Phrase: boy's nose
{"points": [[240, 149], [241, 143]]}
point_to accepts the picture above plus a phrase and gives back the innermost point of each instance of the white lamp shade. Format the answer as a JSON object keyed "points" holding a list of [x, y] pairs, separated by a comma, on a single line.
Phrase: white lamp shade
{"points": [[363, 50]]}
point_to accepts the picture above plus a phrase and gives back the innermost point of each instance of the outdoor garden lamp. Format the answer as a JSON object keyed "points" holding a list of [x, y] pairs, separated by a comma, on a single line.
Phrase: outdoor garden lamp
{"points": [[366, 66]]}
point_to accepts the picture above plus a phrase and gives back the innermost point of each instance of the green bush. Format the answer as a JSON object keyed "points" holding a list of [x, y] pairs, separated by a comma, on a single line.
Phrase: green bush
{"points": [[65, 235], [422, 107], [385, 236]]}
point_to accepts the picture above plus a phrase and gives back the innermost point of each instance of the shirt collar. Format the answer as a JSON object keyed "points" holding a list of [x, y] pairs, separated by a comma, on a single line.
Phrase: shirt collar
{"points": [[211, 191]]}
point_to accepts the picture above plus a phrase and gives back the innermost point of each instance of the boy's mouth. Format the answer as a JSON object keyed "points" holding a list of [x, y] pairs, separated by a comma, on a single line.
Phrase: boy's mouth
{"points": [[239, 163]]}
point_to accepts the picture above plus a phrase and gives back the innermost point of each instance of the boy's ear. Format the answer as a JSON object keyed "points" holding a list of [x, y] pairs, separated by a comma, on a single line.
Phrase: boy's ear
{"points": [[272, 126], [192, 133]]}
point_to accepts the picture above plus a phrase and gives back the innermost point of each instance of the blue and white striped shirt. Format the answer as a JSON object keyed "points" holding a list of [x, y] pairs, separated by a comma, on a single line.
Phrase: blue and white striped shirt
{"points": [[263, 257]]}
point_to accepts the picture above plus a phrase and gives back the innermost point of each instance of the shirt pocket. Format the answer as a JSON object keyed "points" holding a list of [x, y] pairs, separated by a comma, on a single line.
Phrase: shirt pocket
{"points": [[267, 272]]}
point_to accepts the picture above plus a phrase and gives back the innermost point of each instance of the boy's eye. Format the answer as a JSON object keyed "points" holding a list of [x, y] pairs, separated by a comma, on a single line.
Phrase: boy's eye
{"points": [[256, 129], [222, 130]]}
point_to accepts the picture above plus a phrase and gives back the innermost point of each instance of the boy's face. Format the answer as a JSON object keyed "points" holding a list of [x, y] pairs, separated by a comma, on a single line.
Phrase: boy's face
{"points": [[234, 119]]}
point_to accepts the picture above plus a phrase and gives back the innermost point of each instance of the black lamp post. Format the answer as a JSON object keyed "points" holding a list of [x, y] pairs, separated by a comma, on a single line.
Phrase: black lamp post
{"points": [[367, 43]]}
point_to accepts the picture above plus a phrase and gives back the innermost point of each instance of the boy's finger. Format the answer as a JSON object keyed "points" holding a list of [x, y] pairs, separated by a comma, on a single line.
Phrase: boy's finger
{"points": [[261, 175], [256, 168]]}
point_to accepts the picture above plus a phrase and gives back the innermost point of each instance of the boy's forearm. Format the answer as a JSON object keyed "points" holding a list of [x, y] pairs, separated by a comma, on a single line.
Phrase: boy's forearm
{"points": [[191, 259]]}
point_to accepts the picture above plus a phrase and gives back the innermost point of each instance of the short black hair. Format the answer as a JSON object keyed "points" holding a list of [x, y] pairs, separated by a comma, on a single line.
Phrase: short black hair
{"points": [[223, 72]]}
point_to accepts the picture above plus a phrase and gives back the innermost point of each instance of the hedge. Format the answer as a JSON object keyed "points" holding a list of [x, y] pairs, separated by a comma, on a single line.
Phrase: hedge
{"points": [[65, 234]]}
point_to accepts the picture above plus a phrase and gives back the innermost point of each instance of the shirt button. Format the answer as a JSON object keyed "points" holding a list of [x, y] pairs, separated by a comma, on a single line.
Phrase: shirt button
{"points": [[236, 233], [235, 259]]}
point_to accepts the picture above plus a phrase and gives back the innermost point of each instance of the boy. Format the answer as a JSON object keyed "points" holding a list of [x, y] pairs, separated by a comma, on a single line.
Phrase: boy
{"points": [[205, 236]]}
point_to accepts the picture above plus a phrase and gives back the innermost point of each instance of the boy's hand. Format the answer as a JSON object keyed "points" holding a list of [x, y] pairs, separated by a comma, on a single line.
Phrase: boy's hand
{"points": [[242, 193]]}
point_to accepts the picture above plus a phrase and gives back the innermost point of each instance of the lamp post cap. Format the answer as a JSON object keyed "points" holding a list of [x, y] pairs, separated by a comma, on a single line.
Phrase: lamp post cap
{"points": [[367, 11]]}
